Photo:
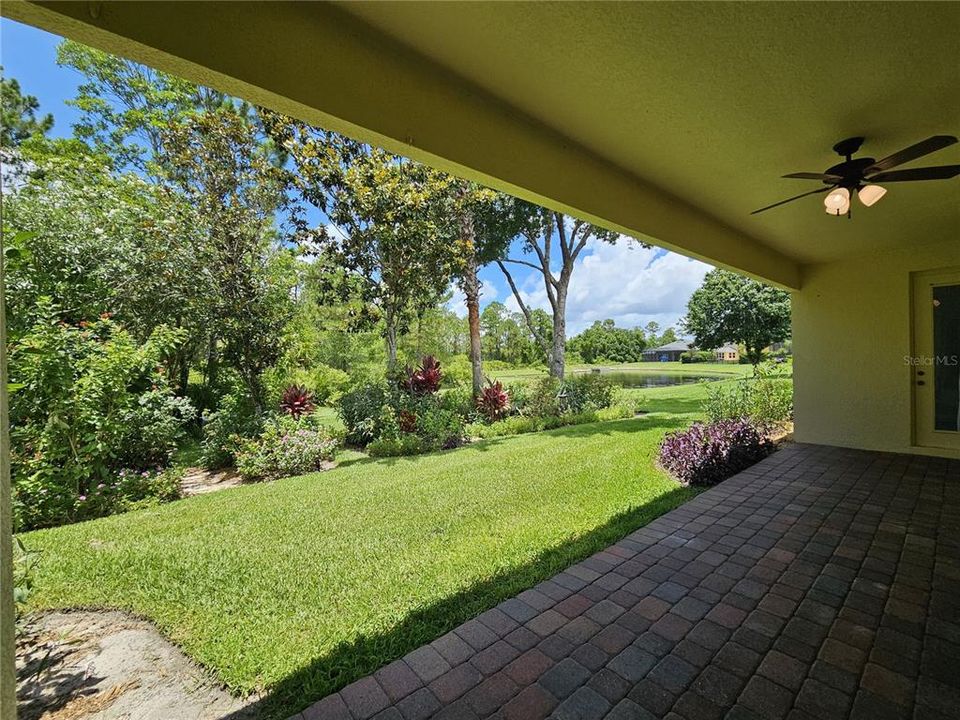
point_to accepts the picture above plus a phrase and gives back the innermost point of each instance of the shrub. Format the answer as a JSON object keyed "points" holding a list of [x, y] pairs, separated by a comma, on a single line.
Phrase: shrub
{"points": [[287, 446], [766, 399], [519, 397], [457, 371], [225, 429], [404, 444], [154, 427], [696, 356], [362, 412], [426, 379], [493, 402], [589, 391], [521, 424], [297, 401], [542, 398], [706, 454], [127, 489], [326, 384], [440, 428], [89, 400], [461, 401]]}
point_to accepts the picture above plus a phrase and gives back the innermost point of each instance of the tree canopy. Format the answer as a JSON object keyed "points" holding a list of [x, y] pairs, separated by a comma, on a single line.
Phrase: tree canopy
{"points": [[18, 114], [605, 342], [731, 308]]}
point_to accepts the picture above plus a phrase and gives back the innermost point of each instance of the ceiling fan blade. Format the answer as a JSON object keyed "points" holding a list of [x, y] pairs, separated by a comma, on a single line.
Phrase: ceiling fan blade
{"points": [[940, 172], [924, 147], [815, 176], [795, 197]]}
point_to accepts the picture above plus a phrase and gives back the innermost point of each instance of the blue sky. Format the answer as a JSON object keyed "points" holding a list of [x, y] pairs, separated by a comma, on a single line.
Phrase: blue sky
{"points": [[625, 282]]}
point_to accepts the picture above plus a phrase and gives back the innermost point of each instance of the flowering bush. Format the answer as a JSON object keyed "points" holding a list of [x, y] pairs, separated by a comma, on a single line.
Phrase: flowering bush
{"points": [[90, 400], [286, 447], [493, 401], [46, 505], [706, 454]]}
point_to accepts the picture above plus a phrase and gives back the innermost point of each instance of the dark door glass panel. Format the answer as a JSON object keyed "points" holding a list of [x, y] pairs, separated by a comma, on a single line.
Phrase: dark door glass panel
{"points": [[946, 350]]}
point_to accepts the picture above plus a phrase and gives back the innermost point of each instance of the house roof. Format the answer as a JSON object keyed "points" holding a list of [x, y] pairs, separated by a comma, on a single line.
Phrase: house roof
{"points": [[678, 346], [728, 348]]}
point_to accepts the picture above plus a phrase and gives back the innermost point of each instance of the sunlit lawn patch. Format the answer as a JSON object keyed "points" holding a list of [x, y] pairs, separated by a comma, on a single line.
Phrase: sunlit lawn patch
{"points": [[301, 585]]}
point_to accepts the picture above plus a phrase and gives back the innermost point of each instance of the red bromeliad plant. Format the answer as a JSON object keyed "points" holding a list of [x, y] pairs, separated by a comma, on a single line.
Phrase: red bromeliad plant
{"points": [[297, 401], [425, 380], [493, 401]]}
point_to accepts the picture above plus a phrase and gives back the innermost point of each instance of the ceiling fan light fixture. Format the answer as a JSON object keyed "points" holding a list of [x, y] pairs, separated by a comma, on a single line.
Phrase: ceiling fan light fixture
{"points": [[869, 194], [838, 211], [837, 201]]}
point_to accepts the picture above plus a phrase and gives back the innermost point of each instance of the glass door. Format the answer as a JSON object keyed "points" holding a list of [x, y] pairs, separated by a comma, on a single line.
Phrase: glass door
{"points": [[936, 361]]}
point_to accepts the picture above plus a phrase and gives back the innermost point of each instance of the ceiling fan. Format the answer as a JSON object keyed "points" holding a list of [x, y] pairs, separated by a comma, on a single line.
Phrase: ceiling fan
{"points": [[859, 176]]}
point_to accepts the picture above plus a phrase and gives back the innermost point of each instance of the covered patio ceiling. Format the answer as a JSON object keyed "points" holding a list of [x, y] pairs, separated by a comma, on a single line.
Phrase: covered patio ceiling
{"points": [[667, 121]]}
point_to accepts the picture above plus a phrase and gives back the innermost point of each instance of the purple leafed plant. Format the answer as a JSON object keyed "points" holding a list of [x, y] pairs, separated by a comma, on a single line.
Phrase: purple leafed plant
{"points": [[493, 401], [706, 454], [425, 380], [297, 401]]}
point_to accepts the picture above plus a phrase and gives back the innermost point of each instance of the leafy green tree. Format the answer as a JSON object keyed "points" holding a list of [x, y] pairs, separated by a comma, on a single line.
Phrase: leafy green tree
{"points": [[437, 331], [210, 152], [98, 242], [392, 227], [651, 332], [220, 162], [668, 336], [550, 236], [605, 341], [488, 223], [731, 308], [18, 114], [125, 106], [506, 337], [92, 400]]}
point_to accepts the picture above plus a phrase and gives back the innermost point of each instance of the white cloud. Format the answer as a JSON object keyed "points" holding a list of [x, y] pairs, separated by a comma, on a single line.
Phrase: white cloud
{"points": [[624, 281], [457, 302]]}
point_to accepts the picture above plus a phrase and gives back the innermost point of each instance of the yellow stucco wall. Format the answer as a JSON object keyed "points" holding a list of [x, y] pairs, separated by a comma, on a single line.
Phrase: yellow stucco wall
{"points": [[851, 330]]}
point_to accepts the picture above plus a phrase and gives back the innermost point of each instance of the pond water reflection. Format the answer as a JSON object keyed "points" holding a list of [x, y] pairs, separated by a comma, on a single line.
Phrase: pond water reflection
{"points": [[647, 379]]}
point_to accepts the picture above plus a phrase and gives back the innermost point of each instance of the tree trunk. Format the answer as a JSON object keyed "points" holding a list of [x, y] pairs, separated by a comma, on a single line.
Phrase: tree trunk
{"points": [[558, 351], [213, 362], [184, 368], [390, 340], [471, 290]]}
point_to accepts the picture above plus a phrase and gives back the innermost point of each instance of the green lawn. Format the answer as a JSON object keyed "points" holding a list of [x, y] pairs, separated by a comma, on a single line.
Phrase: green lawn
{"points": [[299, 586], [654, 368]]}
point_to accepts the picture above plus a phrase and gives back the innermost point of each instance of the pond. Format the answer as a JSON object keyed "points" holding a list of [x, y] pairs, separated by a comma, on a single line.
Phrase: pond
{"points": [[646, 379]]}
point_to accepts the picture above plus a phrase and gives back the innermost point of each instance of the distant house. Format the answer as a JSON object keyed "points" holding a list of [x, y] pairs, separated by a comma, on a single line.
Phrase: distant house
{"points": [[729, 353], [667, 353]]}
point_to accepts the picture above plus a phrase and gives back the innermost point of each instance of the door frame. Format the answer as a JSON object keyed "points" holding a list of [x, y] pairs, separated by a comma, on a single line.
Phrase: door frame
{"points": [[920, 284]]}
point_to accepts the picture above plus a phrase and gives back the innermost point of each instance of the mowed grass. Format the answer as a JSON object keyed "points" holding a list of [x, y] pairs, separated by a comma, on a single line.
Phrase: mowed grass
{"points": [[653, 368], [299, 586]]}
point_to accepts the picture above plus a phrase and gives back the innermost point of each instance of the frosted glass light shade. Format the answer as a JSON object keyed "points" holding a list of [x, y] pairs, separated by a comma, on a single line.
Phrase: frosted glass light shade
{"points": [[869, 194], [837, 199], [842, 210]]}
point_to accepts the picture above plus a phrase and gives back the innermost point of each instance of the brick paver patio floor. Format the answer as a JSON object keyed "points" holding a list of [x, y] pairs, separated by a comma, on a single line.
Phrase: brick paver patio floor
{"points": [[821, 583]]}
